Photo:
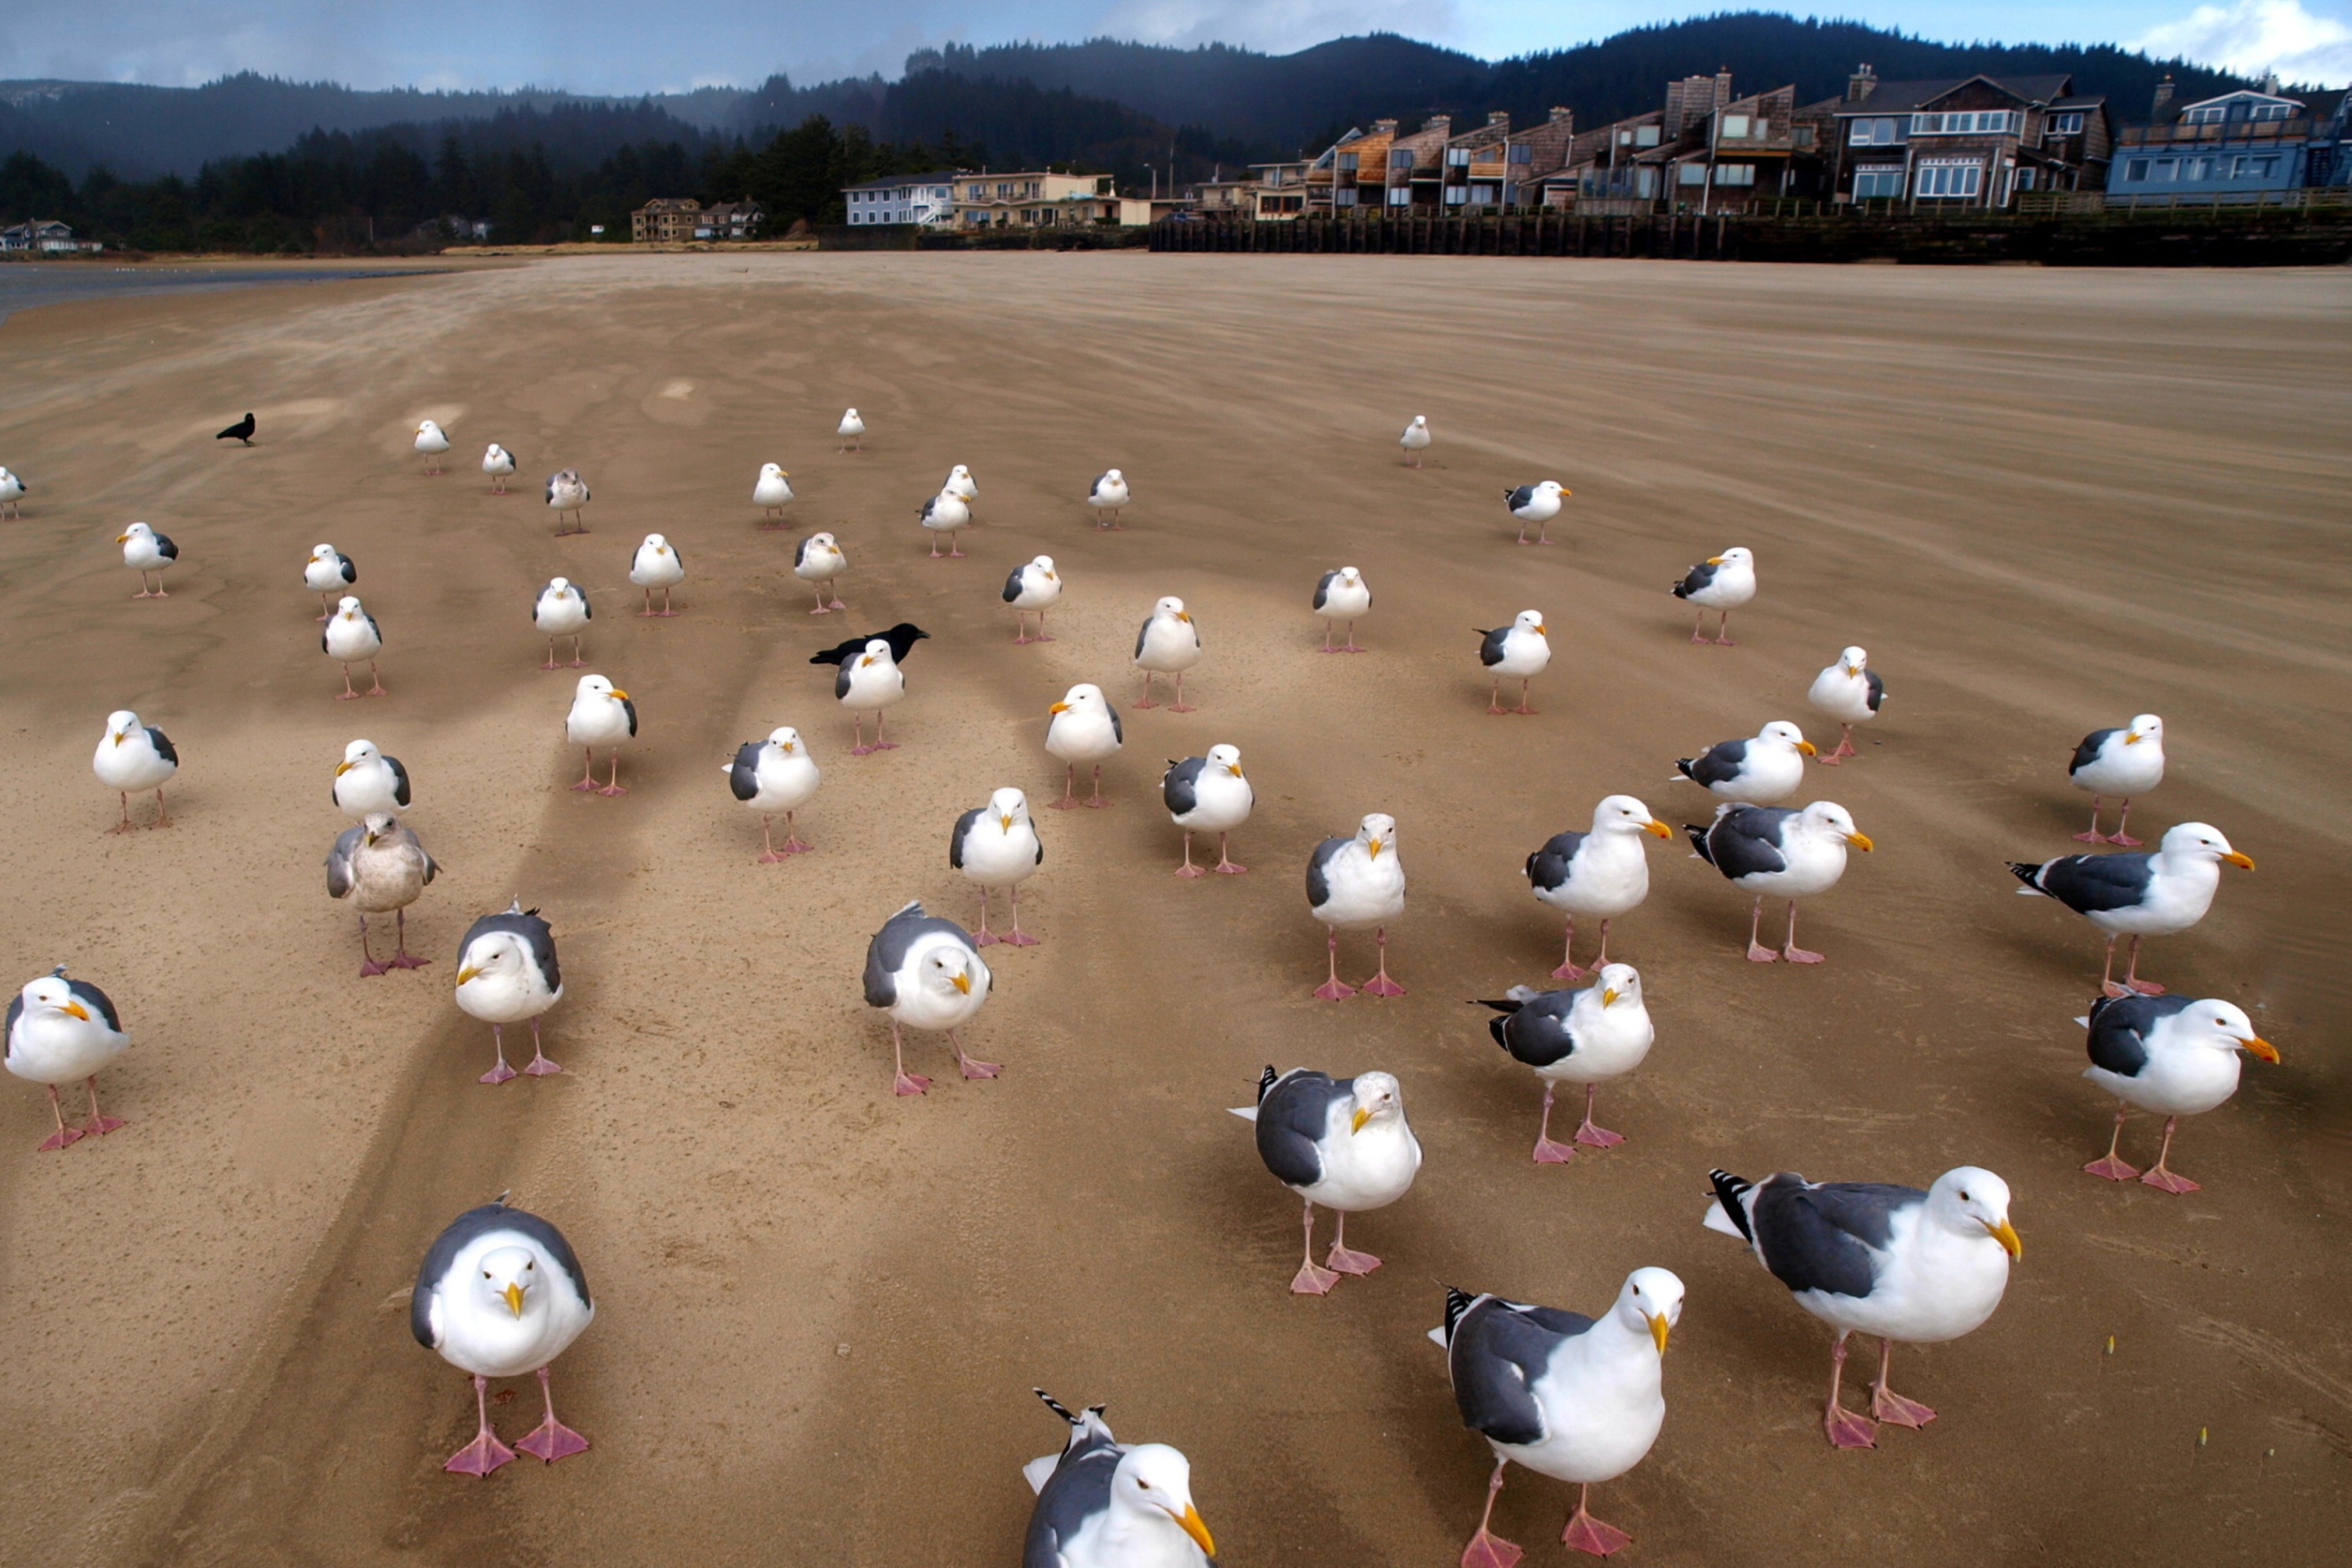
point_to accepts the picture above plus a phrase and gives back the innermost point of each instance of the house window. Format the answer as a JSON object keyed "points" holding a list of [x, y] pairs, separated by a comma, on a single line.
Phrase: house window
{"points": [[1455, 195], [2166, 169], [1801, 136], [2135, 171], [1735, 127], [1346, 198], [1966, 122], [1947, 180], [1399, 196], [2199, 168], [2253, 168], [1645, 136], [1348, 162], [1874, 133], [1735, 174], [2271, 112], [1521, 152], [1690, 175], [2023, 180], [2067, 124], [1399, 157], [1457, 157], [2213, 116], [1873, 181]]}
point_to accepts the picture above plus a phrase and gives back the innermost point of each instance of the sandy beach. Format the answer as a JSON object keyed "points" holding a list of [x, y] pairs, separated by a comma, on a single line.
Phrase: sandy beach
{"points": [[2045, 500]]}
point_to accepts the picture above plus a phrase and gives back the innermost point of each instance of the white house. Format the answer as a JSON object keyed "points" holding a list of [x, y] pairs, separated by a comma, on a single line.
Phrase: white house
{"points": [[43, 234], [927, 199]]}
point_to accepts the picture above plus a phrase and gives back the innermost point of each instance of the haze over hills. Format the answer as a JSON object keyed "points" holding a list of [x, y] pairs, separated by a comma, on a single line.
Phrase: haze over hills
{"points": [[1104, 101]]}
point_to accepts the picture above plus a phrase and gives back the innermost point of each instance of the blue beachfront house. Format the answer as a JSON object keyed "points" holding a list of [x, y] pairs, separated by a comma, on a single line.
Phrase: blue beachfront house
{"points": [[2242, 146]]}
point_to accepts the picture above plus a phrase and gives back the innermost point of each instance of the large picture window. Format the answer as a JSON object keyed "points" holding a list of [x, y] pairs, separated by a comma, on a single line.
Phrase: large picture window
{"points": [[1966, 122], [1873, 182], [1874, 133], [1947, 181]]}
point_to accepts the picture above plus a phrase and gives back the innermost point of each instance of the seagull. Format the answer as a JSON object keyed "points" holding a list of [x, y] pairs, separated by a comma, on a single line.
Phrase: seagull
{"points": [[562, 610], [2126, 762], [351, 635], [2166, 1054], [1872, 1258], [1341, 595], [240, 431], [1102, 1503], [500, 1294], [499, 464], [59, 1030], [507, 972], [817, 561], [430, 444], [567, 493], [1576, 1036], [1849, 692], [996, 845], [1722, 583], [327, 573], [12, 490], [1759, 772], [927, 972], [148, 553], [945, 513], [1349, 888], [1167, 643], [1341, 1142], [958, 484], [367, 782], [133, 758], [602, 715], [1415, 440], [1601, 873], [772, 775], [657, 564], [1768, 850], [1108, 494], [1576, 1398], [1538, 503], [1208, 794], [379, 865], [2161, 893], [771, 493], [1036, 586], [852, 431], [1085, 727], [867, 684], [1517, 651]]}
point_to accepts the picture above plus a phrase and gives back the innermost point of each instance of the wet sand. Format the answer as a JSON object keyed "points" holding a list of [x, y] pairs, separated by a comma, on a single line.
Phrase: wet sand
{"points": [[2045, 500]]}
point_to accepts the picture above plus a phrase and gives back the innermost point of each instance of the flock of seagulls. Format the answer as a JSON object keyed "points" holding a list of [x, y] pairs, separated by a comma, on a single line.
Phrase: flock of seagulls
{"points": [[1579, 1399]]}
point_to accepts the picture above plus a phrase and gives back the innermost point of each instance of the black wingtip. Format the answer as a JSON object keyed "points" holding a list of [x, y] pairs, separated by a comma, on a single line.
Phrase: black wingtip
{"points": [[2028, 874], [1058, 1409], [1266, 1081], [1683, 766], [1699, 841], [1729, 1190], [1457, 1303]]}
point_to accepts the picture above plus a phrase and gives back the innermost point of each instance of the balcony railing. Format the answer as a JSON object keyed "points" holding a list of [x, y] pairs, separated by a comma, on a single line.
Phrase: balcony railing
{"points": [[2244, 131]]}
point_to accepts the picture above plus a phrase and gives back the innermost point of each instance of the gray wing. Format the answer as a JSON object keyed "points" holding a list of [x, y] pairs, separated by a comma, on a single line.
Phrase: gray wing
{"points": [[166, 548], [1141, 632], [163, 745], [551, 490], [1118, 730], [1490, 651], [2094, 883], [2119, 1028], [1822, 1237], [926, 513], [1095, 489], [91, 997], [1694, 582], [1291, 1119], [800, 551], [536, 934], [2088, 752], [464, 1229], [1319, 876], [744, 777], [1548, 866], [1078, 1490], [399, 780], [1179, 788], [338, 860], [1877, 688], [629, 706], [841, 683], [351, 573], [1323, 588], [1744, 841], [1496, 1352], [587, 611], [955, 838], [372, 627], [16, 1011], [1719, 763], [1519, 497], [1013, 586], [1535, 1031]]}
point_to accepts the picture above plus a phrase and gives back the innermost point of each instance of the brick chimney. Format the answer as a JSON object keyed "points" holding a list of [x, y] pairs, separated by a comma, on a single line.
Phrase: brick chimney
{"points": [[1563, 116], [2163, 98], [1861, 84], [1441, 123], [1498, 120], [1384, 127]]}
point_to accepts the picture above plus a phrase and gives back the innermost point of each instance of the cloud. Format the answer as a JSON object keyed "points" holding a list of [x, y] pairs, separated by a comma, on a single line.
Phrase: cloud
{"points": [[1277, 27], [2251, 37]]}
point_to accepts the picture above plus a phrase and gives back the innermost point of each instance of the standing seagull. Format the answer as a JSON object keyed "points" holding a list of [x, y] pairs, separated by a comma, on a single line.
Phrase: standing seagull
{"points": [[133, 758], [1576, 1398], [1085, 727], [1721, 582], [506, 972], [1768, 850], [380, 865], [1584, 1037], [958, 484], [149, 554], [1849, 692], [1869, 1257], [1415, 440], [946, 513], [1341, 1142], [867, 684], [351, 635], [562, 610], [1036, 586], [1600, 874], [817, 561], [927, 972], [852, 431], [567, 493], [1537, 503], [656, 565], [772, 775], [1109, 495], [1349, 888], [2158, 894], [59, 1030], [600, 715], [2169, 1055], [499, 464], [1518, 651], [431, 443], [1761, 771], [12, 490], [240, 431], [327, 573], [2126, 762], [1167, 643], [500, 1294], [772, 492], [1208, 794], [1102, 1503], [996, 845], [1341, 595], [367, 782]]}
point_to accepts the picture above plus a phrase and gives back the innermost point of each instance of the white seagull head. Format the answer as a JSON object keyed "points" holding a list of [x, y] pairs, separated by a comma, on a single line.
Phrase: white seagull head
{"points": [[1377, 833], [1153, 1479], [597, 686], [1621, 985], [51, 997], [1228, 758], [1113, 476], [355, 753], [946, 968], [1350, 576], [559, 586], [426, 427], [348, 608], [322, 553], [785, 739], [1854, 660], [1828, 816], [1378, 1096], [2200, 841], [1171, 608], [1008, 806], [2223, 1026], [1084, 698], [1044, 564], [877, 651], [1529, 621], [657, 543], [498, 955], [509, 1278], [379, 825], [136, 530], [1783, 732], [120, 725], [771, 471], [2144, 727], [1651, 1302], [1974, 1202], [1551, 488], [821, 542], [1737, 555], [1623, 814]]}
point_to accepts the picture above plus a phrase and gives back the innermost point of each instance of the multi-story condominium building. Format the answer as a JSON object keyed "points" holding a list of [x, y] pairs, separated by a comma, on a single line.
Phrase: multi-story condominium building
{"points": [[664, 219], [1041, 198], [1967, 141], [730, 220], [925, 200], [2242, 146]]}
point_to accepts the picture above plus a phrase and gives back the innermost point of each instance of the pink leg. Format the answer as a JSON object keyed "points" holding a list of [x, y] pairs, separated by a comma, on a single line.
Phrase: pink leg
{"points": [[1588, 1534], [551, 1440], [126, 825], [1040, 636], [666, 609], [1332, 990], [64, 1136], [822, 607], [577, 662], [1342, 1259], [2108, 986], [1845, 749], [613, 788], [794, 843], [1789, 948], [98, 1126], [1379, 984], [935, 547], [649, 606], [1326, 638], [2093, 836], [1586, 1132], [349, 695], [501, 1072], [1188, 868], [1547, 1152], [485, 1453], [1495, 697], [551, 663], [768, 855], [1021, 637], [2111, 1165], [1312, 1279], [401, 957], [2162, 1179], [1145, 700], [1095, 799], [2119, 835], [1180, 705], [1890, 1407], [540, 1066], [1723, 631], [985, 937], [1696, 626], [2132, 982], [1351, 646], [369, 967], [1487, 1550], [588, 769], [1845, 1430], [162, 809], [972, 1066], [1757, 951], [1069, 790], [1523, 707], [1568, 969], [879, 743], [1017, 937], [1602, 962], [858, 723], [955, 550], [1225, 865], [904, 1082], [376, 682]]}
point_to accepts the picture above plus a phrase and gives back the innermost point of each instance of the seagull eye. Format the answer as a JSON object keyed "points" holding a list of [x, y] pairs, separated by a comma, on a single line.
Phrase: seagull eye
{"points": [[1144, 1484], [1964, 1197]]}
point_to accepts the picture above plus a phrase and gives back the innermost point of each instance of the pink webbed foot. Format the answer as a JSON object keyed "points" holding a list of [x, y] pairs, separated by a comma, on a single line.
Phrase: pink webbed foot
{"points": [[584, 785], [986, 939], [371, 969], [1382, 985], [480, 1456], [1588, 1534], [909, 1083], [1183, 707], [1344, 1261], [1725, 642], [1598, 1137], [551, 664], [1830, 759], [1068, 802], [1020, 938], [1548, 1152], [1094, 803], [99, 1126], [863, 751], [1568, 972], [2165, 1181], [609, 790], [2113, 1168], [408, 961], [973, 1068], [347, 696], [1311, 1280], [64, 1137], [1798, 955], [1335, 991], [552, 1440], [1896, 1411], [1147, 702], [1523, 707], [2144, 987], [886, 745], [1227, 869], [1848, 1430], [1759, 953], [1189, 870], [1487, 1550], [2093, 837], [498, 1074], [2111, 989], [542, 1068], [2125, 839], [773, 856]]}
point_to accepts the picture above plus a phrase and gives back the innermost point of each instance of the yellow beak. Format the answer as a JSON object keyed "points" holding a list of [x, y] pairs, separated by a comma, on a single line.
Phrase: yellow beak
{"points": [[1608, 995], [1184, 615], [963, 983], [1539, 630], [1008, 823], [1375, 849], [371, 838], [1808, 748], [1854, 670], [620, 694], [121, 539], [1356, 1122], [342, 768], [1659, 1329], [466, 973], [118, 738], [2007, 1239], [2131, 737], [513, 1293], [2261, 1048], [79, 1011], [1191, 1520], [1860, 841], [2244, 862], [1235, 770], [1715, 560], [1059, 707], [1657, 828]]}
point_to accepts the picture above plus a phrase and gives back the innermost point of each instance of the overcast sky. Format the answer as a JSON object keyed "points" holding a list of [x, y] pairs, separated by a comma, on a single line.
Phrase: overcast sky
{"points": [[624, 45]]}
